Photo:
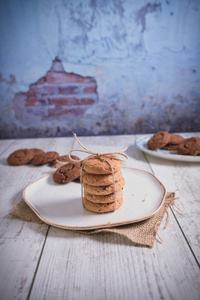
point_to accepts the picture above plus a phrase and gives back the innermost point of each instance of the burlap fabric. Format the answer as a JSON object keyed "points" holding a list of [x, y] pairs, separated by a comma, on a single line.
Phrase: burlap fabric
{"points": [[142, 233]]}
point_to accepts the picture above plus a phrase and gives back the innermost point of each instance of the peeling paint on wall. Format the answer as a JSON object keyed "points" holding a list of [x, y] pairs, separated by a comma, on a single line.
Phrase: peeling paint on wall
{"points": [[146, 9], [55, 96], [11, 80]]}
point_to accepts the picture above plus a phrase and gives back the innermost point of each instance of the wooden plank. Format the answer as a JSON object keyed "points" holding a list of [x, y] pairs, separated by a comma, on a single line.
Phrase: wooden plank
{"points": [[21, 243], [5, 144], [182, 178], [105, 266], [20, 250]]}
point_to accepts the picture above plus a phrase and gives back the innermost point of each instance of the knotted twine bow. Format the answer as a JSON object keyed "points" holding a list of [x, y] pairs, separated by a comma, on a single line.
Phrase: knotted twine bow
{"points": [[99, 155]]}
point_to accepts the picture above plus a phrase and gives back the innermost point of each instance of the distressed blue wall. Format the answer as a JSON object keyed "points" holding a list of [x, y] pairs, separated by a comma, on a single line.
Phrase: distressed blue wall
{"points": [[144, 55]]}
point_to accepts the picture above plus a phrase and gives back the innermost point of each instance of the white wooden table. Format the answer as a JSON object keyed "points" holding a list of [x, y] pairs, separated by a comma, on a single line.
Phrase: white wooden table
{"points": [[38, 261]]}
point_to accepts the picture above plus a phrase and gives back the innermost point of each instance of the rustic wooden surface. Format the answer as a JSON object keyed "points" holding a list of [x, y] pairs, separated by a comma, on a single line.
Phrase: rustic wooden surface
{"points": [[42, 262]]}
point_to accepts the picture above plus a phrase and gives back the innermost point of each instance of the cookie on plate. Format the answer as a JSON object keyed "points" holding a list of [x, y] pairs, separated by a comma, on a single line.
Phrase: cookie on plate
{"points": [[158, 140], [101, 180], [20, 157], [175, 140], [44, 158], [67, 173], [190, 146], [104, 198], [37, 151], [101, 207], [101, 166], [104, 190]]}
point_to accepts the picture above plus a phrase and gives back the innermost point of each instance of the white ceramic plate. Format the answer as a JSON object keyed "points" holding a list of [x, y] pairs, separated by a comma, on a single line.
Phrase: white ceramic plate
{"points": [[60, 205], [166, 154]]}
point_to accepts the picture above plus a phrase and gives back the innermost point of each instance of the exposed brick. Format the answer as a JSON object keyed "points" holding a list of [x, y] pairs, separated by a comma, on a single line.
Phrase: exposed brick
{"points": [[41, 80], [31, 101], [56, 77], [55, 95], [58, 111], [63, 77], [69, 90], [90, 89], [78, 78], [43, 90], [72, 101]]}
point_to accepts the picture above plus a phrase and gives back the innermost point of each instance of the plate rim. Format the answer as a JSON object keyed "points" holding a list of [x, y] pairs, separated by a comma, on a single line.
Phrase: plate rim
{"points": [[169, 156], [102, 226]]}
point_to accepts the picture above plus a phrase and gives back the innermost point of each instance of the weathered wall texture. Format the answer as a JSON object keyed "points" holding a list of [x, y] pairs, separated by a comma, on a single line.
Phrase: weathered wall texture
{"points": [[99, 67]]}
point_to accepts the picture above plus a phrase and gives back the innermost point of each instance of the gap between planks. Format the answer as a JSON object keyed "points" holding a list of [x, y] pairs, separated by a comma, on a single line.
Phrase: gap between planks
{"points": [[38, 263], [179, 225]]}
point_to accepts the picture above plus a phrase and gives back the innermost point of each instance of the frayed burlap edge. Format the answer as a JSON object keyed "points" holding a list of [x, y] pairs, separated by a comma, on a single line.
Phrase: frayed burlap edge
{"points": [[25, 213], [141, 233]]}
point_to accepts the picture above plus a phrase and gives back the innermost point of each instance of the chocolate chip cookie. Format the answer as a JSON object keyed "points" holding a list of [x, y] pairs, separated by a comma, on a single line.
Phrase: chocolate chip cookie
{"points": [[101, 180], [67, 173], [44, 158], [101, 207], [104, 190], [104, 198], [190, 146], [175, 140], [20, 157], [158, 140], [101, 166]]}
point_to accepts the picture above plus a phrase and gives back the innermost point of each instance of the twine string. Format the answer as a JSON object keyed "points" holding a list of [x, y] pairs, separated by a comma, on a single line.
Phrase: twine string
{"points": [[178, 209], [161, 240], [168, 216], [172, 202], [99, 155]]}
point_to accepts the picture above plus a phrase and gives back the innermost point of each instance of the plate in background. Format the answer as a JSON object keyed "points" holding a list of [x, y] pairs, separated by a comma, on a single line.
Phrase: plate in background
{"points": [[166, 154]]}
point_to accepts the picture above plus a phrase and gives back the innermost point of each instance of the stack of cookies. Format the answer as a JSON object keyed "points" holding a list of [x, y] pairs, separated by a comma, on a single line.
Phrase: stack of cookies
{"points": [[100, 193]]}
